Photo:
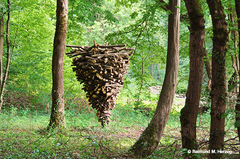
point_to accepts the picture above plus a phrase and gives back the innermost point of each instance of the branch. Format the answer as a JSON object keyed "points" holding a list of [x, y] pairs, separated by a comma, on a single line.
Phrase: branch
{"points": [[164, 5]]}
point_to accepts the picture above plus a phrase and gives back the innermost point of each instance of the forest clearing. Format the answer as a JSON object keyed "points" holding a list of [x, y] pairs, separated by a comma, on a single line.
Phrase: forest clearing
{"points": [[22, 134], [119, 79]]}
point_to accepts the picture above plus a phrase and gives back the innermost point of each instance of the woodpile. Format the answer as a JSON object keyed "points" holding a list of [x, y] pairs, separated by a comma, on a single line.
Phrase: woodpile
{"points": [[101, 69]]}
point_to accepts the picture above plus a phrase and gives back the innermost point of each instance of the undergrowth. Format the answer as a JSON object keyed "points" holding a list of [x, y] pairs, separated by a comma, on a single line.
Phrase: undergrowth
{"points": [[23, 134]]}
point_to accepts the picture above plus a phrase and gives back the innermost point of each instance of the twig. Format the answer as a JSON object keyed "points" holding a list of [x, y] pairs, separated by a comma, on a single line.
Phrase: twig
{"points": [[231, 139]]}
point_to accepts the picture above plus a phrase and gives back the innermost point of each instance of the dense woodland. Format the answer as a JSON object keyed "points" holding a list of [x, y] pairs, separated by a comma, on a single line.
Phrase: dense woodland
{"points": [[119, 79]]}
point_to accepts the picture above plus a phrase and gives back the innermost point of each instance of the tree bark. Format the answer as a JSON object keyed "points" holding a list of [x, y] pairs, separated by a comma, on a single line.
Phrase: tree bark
{"points": [[1, 52], [208, 66], [207, 60], [237, 107], [8, 56], [196, 50], [151, 136], [57, 113], [218, 93], [233, 93]]}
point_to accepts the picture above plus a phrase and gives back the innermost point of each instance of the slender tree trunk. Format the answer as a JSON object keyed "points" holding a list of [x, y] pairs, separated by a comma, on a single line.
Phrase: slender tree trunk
{"points": [[232, 94], [1, 53], [218, 93], [237, 107], [57, 113], [8, 56], [208, 66], [196, 50], [157, 67], [141, 86], [151, 69], [151, 136], [207, 61]]}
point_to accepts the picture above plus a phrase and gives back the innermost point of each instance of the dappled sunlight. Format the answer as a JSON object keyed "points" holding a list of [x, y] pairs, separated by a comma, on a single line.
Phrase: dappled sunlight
{"points": [[124, 57]]}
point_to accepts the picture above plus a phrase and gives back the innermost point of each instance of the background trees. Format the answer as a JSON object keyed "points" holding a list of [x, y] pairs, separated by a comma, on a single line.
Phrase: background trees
{"points": [[237, 5], [139, 24]]}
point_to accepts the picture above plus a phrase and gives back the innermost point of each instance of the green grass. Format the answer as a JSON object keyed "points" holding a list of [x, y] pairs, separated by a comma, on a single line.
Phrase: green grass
{"points": [[23, 135]]}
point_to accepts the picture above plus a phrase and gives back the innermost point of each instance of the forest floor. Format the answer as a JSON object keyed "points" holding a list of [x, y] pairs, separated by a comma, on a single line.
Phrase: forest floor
{"points": [[23, 135]]}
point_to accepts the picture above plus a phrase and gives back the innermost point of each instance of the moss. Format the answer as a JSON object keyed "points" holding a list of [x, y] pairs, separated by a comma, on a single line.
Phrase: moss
{"points": [[196, 16], [150, 135], [146, 143], [57, 118], [198, 8]]}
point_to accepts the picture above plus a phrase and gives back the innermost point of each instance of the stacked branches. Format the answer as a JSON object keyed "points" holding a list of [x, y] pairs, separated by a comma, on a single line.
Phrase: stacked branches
{"points": [[101, 68]]}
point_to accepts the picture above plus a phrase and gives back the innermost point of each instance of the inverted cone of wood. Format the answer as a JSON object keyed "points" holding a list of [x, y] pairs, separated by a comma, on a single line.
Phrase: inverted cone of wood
{"points": [[101, 68]]}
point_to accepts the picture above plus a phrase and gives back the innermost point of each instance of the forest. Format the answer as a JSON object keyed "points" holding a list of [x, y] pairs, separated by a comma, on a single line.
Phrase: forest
{"points": [[119, 79]]}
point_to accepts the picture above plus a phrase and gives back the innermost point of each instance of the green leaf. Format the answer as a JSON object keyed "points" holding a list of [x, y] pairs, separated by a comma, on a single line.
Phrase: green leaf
{"points": [[238, 115], [224, 115], [95, 144], [206, 60], [134, 15], [102, 156], [184, 151], [237, 124], [231, 87]]}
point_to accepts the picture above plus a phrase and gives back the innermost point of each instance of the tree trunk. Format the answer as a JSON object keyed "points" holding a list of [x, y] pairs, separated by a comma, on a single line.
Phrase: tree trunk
{"points": [[190, 112], [8, 57], [207, 61], [151, 136], [237, 107], [208, 66], [1, 53], [232, 94], [151, 69], [57, 112], [218, 93]]}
